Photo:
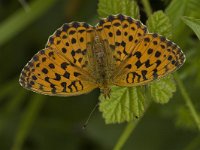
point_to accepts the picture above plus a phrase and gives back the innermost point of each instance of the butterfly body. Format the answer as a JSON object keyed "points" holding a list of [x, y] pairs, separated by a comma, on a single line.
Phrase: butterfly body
{"points": [[119, 51], [102, 68]]}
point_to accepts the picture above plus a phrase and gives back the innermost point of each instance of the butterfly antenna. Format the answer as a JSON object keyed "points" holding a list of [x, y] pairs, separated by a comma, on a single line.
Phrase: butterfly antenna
{"points": [[86, 122]]}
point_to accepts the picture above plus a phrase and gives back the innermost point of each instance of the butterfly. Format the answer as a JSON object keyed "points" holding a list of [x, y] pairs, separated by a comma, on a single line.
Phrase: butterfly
{"points": [[119, 51]]}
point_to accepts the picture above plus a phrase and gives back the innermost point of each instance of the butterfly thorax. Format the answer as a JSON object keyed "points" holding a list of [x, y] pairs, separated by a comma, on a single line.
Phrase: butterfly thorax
{"points": [[101, 70]]}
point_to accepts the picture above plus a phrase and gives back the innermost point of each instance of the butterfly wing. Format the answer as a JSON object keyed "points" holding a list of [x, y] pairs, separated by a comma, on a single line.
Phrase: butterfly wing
{"points": [[139, 57], [122, 34], [62, 68], [153, 58]]}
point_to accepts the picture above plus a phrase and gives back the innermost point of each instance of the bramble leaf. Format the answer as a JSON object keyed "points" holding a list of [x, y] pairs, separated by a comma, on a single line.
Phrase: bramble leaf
{"points": [[125, 104], [122, 106], [110, 7], [159, 23], [162, 90]]}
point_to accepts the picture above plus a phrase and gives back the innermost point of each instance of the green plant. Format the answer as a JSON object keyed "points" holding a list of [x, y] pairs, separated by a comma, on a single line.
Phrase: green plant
{"points": [[128, 103], [178, 21]]}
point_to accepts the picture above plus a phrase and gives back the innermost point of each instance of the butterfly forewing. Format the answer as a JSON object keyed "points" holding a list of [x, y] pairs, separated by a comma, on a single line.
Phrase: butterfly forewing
{"points": [[71, 42], [63, 67], [122, 33]]}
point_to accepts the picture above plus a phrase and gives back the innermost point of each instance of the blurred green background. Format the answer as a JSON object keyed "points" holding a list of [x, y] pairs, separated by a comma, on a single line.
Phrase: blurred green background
{"points": [[30, 121]]}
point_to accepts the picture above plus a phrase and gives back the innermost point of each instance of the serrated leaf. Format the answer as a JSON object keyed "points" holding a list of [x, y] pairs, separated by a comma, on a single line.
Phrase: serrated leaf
{"points": [[125, 104], [159, 23], [119, 107], [162, 90], [110, 7], [193, 23]]}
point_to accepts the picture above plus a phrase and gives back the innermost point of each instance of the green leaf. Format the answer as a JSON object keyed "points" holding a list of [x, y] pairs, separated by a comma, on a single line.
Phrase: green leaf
{"points": [[193, 23], [111, 7], [176, 10], [194, 5], [121, 106], [125, 104], [193, 8], [162, 90], [159, 23]]}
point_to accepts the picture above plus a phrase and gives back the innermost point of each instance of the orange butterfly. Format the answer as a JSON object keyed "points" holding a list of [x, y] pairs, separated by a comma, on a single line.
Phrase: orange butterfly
{"points": [[119, 50]]}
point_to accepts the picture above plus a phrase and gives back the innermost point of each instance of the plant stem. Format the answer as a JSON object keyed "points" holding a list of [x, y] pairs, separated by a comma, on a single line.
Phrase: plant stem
{"points": [[188, 101], [147, 7], [125, 135]]}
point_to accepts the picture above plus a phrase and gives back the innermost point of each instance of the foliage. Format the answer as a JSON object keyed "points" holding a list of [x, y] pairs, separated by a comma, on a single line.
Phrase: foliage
{"points": [[126, 7], [26, 122], [22, 19], [161, 91], [159, 23], [194, 24], [127, 103]]}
